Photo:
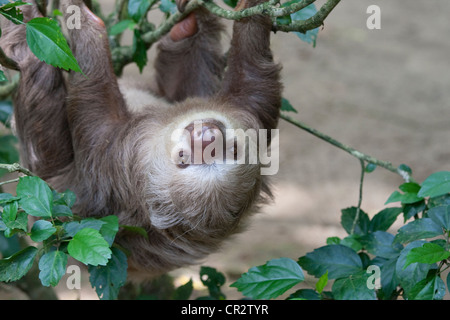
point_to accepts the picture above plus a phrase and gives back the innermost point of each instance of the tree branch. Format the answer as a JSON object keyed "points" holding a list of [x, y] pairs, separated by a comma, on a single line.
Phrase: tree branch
{"points": [[15, 167], [123, 55], [355, 153]]}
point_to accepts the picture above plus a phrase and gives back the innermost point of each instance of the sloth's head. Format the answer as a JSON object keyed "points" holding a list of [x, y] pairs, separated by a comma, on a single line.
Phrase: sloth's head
{"points": [[204, 175]]}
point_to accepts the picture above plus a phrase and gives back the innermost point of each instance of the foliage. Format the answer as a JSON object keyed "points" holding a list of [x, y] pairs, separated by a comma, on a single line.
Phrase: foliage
{"points": [[369, 263], [59, 235]]}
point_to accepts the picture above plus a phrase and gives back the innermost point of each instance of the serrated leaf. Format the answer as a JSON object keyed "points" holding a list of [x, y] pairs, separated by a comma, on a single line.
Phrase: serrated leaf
{"points": [[52, 266], [384, 219], [16, 266], [15, 15], [89, 247], [46, 41], [431, 288], [137, 9], [381, 244], [35, 197], [413, 273], [429, 253], [42, 230], [213, 280], [404, 198], [436, 184], [348, 217], [110, 228], [107, 280], [183, 292], [418, 229], [73, 227], [340, 261], [441, 216], [271, 279], [353, 287]]}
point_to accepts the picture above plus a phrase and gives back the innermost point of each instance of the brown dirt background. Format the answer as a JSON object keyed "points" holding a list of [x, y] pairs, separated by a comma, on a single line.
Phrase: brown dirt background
{"points": [[384, 92]]}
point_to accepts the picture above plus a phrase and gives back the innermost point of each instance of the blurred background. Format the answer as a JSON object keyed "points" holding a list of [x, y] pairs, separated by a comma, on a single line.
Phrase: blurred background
{"points": [[384, 92]]}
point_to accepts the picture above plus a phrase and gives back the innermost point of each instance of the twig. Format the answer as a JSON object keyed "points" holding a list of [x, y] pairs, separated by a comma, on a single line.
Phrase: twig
{"points": [[15, 167], [9, 181], [357, 154], [358, 209]]}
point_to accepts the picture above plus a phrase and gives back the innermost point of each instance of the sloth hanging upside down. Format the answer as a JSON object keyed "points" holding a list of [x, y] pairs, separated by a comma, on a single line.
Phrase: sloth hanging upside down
{"points": [[115, 145]]}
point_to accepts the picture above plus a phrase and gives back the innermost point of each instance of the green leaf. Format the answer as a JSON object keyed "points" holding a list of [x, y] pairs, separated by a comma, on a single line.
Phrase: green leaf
{"points": [[429, 253], [6, 111], [323, 280], [340, 261], [52, 266], [137, 9], [42, 230], [168, 6], [413, 273], [122, 26], [46, 41], [231, 3], [381, 244], [287, 106], [13, 14], [441, 216], [436, 184], [384, 219], [353, 287], [418, 229], [89, 247], [389, 281], [404, 198], [16, 266], [73, 227], [110, 228], [183, 292], [139, 50], [213, 280], [35, 197], [270, 280], [431, 288], [137, 230], [304, 294], [107, 280], [348, 217], [14, 220], [309, 36]]}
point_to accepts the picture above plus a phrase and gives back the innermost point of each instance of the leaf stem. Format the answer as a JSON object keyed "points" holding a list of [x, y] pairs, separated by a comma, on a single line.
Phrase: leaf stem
{"points": [[358, 209]]}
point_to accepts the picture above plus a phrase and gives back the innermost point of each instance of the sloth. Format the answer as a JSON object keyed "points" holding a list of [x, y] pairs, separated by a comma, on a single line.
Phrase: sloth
{"points": [[130, 151]]}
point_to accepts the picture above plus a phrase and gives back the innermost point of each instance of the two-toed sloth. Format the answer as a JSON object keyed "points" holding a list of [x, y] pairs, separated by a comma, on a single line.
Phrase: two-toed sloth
{"points": [[131, 153]]}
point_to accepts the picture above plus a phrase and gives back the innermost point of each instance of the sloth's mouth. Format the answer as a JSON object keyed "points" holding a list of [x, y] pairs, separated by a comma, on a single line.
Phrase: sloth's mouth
{"points": [[206, 143]]}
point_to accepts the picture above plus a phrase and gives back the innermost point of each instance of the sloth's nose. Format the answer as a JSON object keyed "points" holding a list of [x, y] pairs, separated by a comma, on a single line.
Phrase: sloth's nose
{"points": [[203, 133]]}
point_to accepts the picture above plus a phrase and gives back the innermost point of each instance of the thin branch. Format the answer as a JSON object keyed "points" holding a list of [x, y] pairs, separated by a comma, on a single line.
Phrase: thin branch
{"points": [[358, 209], [15, 167], [9, 181], [357, 154], [123, 55]]}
